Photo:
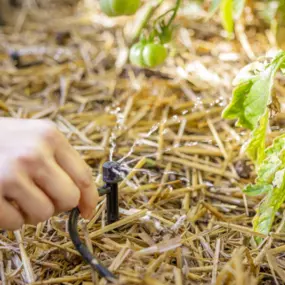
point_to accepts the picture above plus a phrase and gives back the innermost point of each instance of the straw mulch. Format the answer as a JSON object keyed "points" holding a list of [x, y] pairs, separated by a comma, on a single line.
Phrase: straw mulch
{"points": [[184, 219]]}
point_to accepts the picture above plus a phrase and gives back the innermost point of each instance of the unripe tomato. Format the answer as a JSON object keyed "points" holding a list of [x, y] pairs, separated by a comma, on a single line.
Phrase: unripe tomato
{"points": [[148, 55], [154, 54], [136, 55], [113, 8]]}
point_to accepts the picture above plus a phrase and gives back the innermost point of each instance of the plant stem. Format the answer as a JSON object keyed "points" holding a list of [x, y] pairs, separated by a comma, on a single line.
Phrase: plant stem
{"points": [[173, 10], [163, 15], [151, 10], [176, 8]]}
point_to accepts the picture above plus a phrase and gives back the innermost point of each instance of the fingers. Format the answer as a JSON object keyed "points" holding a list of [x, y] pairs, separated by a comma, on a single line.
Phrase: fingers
{"points": [[10, 218], [33, 203], [88, 201], [56, 176], [71, 162], [80, 173], [57, 185]]}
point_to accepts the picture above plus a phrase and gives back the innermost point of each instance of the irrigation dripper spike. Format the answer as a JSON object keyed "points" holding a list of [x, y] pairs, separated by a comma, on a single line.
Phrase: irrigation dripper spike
{"points": [[111, 177]]}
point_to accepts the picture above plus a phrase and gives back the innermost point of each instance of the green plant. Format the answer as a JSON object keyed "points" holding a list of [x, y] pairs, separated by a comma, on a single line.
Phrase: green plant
{"points": [[273, 13], [150, 50], [114, 8], [251, 105]]}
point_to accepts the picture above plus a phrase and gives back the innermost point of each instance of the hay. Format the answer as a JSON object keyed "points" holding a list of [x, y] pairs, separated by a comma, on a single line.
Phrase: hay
{"points": [[184, 219]]}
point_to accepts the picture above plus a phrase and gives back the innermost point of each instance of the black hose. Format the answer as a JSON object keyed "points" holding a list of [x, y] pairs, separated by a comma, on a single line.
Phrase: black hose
{"points": [[83, 250]]}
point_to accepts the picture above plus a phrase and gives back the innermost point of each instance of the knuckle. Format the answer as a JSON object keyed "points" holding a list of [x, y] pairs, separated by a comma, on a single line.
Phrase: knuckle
{"points": [[30, 156], [85, 181], [50, 133], [12, 176]]}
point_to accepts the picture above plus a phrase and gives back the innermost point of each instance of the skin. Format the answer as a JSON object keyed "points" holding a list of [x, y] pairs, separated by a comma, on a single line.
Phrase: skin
{"points": [[40, 174]]}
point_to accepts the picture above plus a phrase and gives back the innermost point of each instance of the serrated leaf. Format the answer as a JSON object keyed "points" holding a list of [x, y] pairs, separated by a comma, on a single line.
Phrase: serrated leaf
{"points": [[258, 98], [264, 218], [249, 73], [263, 221], [277, 146], [250, 100], [235, 108], [255, 148], [257, 189], [278, 179], [268, 169]]}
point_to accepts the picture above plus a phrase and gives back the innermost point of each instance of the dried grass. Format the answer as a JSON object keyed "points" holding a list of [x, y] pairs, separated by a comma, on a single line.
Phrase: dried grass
{"points": [[184, 219]]}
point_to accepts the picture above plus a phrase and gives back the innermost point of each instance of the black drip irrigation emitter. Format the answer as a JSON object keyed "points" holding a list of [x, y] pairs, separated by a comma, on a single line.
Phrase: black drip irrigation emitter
{"points": [[111, 177]]}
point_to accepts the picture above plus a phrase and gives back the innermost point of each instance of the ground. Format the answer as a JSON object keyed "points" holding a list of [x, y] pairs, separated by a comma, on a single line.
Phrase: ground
{"points": [[184, 219]]}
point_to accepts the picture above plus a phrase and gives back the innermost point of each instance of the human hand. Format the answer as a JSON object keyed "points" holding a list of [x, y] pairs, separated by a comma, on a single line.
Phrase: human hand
{"points": [[40, 174]]}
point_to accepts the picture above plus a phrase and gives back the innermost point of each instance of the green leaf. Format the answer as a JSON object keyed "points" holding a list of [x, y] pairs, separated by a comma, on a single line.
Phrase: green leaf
{"points": [[278, 179], [264, 218], [226, 9], [263, 221], [255, 148], [250, 99], [277, 147], [238, 6], [267, 170], [255, 103], [271, 172], [257, 189], [236, 109], [249, 73]]}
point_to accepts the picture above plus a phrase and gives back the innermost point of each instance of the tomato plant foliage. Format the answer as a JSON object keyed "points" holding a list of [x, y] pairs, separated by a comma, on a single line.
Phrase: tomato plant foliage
{"points": [[160, 32], [253, 93], [250, 105], [251, 100]]}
